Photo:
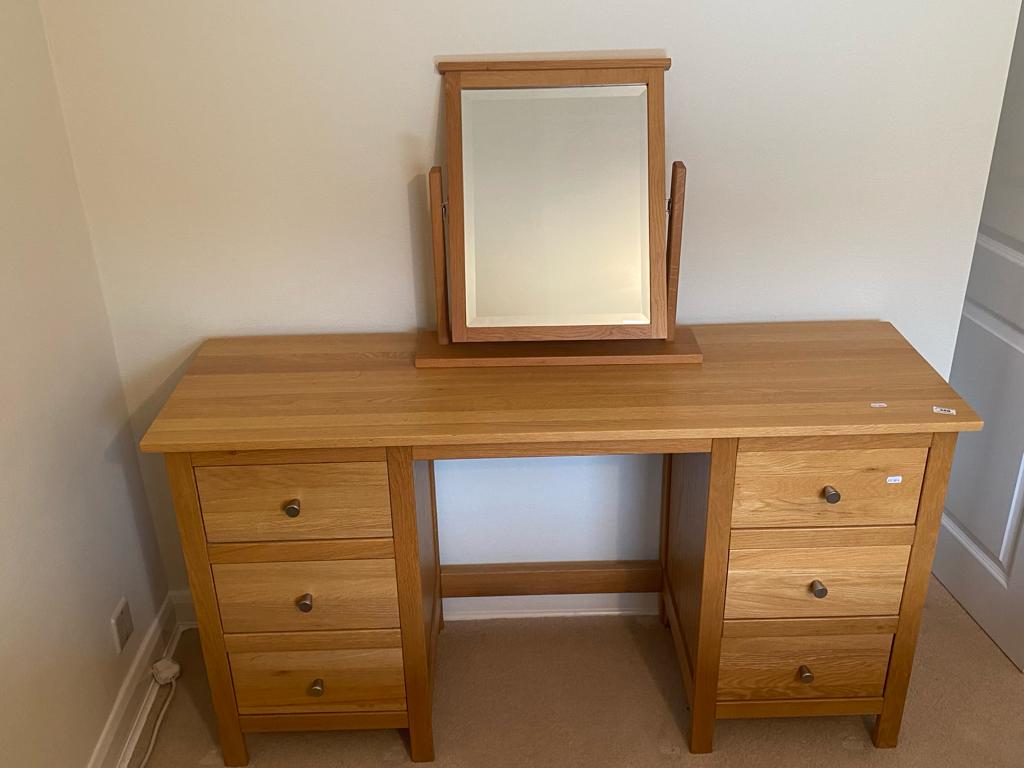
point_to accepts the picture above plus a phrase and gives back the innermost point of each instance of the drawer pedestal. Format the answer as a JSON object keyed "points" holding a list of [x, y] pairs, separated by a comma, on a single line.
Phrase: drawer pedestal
{"points": [[317, 601], [795, 573]]}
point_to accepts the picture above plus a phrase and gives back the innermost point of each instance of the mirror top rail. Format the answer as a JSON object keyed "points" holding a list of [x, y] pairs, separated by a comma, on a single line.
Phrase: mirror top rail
{"points": [[570, 205], [509, 65]]}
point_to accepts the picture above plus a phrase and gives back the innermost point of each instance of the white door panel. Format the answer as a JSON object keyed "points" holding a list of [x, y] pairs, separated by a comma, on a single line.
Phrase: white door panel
{"points": [[997, 280], [981, 534], [989, 372]]}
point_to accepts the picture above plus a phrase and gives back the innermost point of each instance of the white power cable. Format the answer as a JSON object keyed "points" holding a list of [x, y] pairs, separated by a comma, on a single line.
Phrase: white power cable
{"points": [[164, 671], [159, 722]]}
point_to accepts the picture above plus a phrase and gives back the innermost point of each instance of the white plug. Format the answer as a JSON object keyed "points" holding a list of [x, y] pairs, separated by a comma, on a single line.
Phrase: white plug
{"points": [[166, 671]]}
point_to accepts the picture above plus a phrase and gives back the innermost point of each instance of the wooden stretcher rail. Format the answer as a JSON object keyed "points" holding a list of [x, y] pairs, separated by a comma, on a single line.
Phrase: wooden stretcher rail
{"points": [[574, 578]]}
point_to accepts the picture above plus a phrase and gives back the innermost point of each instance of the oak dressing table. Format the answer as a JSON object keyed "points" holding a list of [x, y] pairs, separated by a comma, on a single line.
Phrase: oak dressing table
{"points": [[805, 471]]}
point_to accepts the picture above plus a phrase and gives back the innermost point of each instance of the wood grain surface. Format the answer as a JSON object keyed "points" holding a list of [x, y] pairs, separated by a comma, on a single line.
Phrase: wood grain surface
{"points": [[181, 476], [336, 501], [767, 667], [323, 721], [784, 488], [775, 583], [682, 348], [929, 517], [290, 551], [363, 390], [595, 576], [360, 679], [868, 705], [567, 62], [413, 519], [347, 594]]}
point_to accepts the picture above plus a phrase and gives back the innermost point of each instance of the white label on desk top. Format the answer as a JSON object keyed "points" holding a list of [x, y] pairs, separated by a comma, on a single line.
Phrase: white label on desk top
{"points": [[879, 405], [894, 479], [943, 411]]}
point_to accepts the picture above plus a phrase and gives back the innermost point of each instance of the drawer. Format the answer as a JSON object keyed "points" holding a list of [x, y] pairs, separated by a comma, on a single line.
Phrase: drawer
{"points": [[346, 594], [335, 501], [325, 674], [832, 666], [786, 488], [776, 582]]}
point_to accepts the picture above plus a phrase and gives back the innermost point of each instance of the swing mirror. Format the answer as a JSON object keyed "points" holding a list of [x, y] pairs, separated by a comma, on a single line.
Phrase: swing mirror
{"points": [[556, 200]]}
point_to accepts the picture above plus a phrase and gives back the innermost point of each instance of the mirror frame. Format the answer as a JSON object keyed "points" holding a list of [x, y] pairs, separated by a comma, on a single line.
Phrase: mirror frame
{"points": [[473, 75]]}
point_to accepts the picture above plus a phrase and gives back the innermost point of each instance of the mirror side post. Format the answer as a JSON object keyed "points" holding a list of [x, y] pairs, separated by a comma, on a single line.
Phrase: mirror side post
{"points": [[677, 198], [437, 243]]}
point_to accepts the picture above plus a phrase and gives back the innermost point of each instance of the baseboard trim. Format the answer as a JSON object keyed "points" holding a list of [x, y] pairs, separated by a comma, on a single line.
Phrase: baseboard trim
{"points": [[531, 606], [184, 610], [984, 558], [134, 689]]}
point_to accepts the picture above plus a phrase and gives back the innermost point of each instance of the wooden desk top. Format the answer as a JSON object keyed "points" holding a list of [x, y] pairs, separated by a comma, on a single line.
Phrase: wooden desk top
{"points": [[362, 390]]}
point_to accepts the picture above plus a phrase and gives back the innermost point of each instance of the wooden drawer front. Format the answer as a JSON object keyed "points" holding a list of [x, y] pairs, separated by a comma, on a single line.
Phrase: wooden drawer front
{"points": [[347, 594], [776, 583], [353, 680], [769, 667], [785, 488], [336, 501]]}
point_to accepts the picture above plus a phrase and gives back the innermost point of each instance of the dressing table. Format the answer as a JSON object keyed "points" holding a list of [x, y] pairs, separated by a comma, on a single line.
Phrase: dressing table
{"points": [[805, 472]]}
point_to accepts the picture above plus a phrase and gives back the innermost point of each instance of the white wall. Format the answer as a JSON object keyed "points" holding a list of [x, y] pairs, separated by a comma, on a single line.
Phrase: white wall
{"points": [[76, 531], [257, 167]]}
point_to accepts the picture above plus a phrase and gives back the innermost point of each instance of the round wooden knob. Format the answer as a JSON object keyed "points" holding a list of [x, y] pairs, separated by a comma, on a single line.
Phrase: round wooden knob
{"points": [[292, 508], [317, 687], [305, 603], [818, 589], [805, 674], [832, 496]]}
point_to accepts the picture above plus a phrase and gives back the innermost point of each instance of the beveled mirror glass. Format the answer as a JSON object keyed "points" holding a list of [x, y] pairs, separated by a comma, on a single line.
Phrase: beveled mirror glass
{"points": [[556, 195], [556, 206]]}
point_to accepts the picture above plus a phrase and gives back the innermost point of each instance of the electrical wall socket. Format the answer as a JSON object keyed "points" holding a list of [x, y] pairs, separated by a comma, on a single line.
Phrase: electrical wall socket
{"points": [[121, 625]]}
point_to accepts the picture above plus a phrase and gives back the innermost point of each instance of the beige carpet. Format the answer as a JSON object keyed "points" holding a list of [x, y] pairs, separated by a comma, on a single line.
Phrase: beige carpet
{"points": [[605, 691]]}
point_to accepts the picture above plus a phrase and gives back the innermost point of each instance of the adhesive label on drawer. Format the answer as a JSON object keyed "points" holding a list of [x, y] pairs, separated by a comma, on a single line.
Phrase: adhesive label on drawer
{"points": [[894, 479], [943, 411]]}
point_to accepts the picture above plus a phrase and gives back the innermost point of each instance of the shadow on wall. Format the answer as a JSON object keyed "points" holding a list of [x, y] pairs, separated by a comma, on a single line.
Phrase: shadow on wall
{"points": [[419, 215], [123, 453], [419, 229], [153, 475]]}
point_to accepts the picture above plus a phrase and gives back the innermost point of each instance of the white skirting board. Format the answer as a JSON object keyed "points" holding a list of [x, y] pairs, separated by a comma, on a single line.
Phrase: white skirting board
{"points": [[525, 606], [184, 610], [135, 732], [138, 691], [134, 689]]}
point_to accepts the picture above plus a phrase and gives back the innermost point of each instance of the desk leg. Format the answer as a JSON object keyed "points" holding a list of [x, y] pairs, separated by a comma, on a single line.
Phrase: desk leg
{"points": [[666, 500], [200, 579], [929, 516], [418, 597], [721, 484], [438, 607], [696, 558]]}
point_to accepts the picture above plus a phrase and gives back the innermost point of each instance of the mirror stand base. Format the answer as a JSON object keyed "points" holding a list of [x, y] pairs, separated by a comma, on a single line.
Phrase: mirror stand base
{"points": [[681, 349]]}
